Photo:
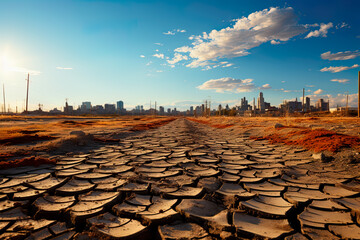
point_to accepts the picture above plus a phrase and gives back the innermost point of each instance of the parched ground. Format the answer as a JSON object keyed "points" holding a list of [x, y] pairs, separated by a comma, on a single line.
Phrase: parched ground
{"points": [[26, 137], [218, 178]]}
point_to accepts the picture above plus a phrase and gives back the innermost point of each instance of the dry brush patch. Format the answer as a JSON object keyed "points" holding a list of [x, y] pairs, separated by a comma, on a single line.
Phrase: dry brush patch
{"points": [[151, 125], [23, 137], [27, 161], [313, 133], [316, 140], [209, 122]]}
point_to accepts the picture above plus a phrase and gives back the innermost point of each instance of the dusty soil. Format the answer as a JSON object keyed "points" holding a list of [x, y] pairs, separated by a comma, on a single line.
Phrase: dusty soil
{"points": [[316, 134], [25, 137]]}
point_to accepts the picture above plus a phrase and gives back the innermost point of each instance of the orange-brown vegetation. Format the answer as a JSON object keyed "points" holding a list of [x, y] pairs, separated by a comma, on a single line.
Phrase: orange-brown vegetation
{"points": [[22, 136], [28, 161], [316, 140], [151, 125], [43, 128], [313, 133], [216, 125], [25, 139]]}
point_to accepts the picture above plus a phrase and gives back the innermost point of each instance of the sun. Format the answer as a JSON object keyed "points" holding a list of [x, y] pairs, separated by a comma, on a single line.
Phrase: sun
{"points": [[6, 63]]}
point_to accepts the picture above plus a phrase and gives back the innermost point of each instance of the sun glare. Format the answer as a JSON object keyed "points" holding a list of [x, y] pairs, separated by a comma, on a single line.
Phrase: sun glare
{"points": [[6, 63]]}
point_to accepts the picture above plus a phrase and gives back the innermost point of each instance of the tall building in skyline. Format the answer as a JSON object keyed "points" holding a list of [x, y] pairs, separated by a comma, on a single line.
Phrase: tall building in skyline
{"points": [[110, 108], [120, 105], [307, 104], [321, 105], [85, 106], [261, 103], [161, 110]]}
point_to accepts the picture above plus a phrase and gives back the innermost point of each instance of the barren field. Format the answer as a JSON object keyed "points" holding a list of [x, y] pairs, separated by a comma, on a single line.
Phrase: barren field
{"points": [[175, 178]]}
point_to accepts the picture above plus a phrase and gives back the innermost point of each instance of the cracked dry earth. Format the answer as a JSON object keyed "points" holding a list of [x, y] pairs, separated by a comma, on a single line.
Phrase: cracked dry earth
{"points": [[183, 180]]}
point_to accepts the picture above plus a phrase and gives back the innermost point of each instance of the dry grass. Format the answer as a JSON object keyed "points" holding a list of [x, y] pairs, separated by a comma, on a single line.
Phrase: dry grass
{"points": [[27, 161], [313, 133], [20, 135]]}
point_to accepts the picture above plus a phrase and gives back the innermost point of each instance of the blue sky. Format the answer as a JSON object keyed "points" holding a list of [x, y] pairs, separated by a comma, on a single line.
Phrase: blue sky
{"points": [[178, 53]]}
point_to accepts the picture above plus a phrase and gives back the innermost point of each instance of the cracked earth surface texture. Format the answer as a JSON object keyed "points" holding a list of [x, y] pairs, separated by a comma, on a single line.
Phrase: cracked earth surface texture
{"points": [[184, 180]]}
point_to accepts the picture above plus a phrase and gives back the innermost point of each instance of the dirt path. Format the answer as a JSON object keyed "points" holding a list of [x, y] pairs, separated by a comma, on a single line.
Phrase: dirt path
{"points": [[184, 179]]}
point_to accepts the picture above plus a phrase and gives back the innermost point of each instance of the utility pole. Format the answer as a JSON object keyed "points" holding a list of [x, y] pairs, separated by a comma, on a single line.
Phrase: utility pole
{"points": [[359, 94], [27, 93], [155, 108], [4, 98], [209, 108], [254, 107], [347, 103]]}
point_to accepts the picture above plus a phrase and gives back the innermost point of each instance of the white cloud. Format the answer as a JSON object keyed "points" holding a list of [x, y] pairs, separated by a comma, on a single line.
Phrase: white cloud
{"points": [[340, 100], [159, 55], [265, 86], [148, 64], [159, 71], [160, 44], [340, 80], [228, 84], [342, 25], [24, 70], [177, 58], [310, 86], [311, 25], [340, 55], [64, 68], [336, 100], [322, 32], [228, 65], [319, 91], [169, 33], [142, 56], [338, 69], [174, 31], [198, 63], [274, 42], [278, 24], [283, 81]]}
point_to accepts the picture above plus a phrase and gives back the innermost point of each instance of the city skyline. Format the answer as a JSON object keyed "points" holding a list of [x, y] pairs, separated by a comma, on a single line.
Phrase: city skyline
{"points": [[245, 108], [178, 54]]}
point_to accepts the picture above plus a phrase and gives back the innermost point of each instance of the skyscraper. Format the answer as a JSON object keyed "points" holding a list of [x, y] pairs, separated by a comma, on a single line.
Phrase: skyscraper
{"points": [[86, 106], [120, 105], [261, 103]]}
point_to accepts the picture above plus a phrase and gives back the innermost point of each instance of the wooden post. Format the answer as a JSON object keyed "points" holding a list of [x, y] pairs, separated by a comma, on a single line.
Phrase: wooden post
{"points": [[27, 93], [4, 98]]}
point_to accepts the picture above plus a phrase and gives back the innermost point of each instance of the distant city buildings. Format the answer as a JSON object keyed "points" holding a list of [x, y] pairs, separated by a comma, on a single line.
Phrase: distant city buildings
{"points": [[120, 106], [110, 108], [161, 110], [86, 107], [321, 105], [245, 108]]}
